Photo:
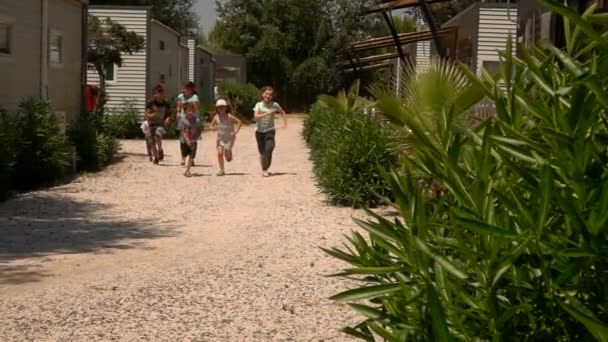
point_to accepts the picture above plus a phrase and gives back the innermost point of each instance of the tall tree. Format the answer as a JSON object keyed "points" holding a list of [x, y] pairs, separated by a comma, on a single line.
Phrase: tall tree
{"points": [[177, 14], [291, 44]]}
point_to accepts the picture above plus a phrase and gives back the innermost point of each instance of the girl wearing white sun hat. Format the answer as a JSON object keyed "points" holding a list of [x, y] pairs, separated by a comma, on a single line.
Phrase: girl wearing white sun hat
{"points": [[227, 126]]}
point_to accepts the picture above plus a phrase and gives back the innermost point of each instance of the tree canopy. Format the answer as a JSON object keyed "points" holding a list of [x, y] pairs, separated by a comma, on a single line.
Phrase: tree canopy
{"points": [[290, 44], [177, 14]]}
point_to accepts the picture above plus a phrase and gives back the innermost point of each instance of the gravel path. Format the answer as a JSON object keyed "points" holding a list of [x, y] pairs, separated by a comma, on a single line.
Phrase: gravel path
{"points": [[139, 252]]}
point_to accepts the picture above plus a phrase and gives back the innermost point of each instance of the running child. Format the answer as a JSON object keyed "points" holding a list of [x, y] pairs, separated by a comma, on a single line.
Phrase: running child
{"points": [[264, 113], [188, 95], [225, 123], [158, 115], [190, 130]]}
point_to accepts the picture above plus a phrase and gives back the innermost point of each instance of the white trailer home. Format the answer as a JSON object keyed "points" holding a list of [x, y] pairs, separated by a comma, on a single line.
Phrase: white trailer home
{"points": [[162, 61], [42, 46], [201, 67], [483, 31]]}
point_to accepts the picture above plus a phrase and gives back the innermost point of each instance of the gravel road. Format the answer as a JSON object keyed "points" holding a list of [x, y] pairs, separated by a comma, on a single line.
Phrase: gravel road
{"points": [[139, 252]]}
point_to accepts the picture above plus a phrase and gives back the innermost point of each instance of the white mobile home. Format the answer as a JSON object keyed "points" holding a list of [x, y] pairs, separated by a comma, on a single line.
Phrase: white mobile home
{"points": [[201, 67], [162, 61], [483, 31], [54, 72]]}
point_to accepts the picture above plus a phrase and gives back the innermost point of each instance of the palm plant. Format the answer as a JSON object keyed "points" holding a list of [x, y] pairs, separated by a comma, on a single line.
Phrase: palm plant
{"points": [[516, 247]]}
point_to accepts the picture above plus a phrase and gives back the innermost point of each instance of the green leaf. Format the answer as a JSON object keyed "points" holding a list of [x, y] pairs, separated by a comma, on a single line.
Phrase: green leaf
{"points": [[596, 327], [578, 253], [366, 292], [374, 270], [545, 189], [483, 228], [356, 333], [369, 312], [448, 266], [439, 324]]}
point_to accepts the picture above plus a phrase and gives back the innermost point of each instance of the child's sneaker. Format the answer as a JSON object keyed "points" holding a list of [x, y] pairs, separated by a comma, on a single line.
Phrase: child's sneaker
{"points": [[161, 155], [155, 161], [221, 173]]}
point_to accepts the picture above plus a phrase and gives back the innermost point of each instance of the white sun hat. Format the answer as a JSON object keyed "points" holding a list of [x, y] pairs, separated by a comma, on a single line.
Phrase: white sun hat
{"points": [[221, 103]]}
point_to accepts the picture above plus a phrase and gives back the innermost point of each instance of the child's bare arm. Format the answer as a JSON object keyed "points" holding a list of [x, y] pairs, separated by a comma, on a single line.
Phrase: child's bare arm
{"points": [[213, 123], [238, 123], [258, 115], [284, 115]]}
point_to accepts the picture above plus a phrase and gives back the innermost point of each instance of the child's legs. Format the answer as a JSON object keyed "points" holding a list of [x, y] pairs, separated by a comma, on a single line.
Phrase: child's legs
{"points": [[228, 154], [259, 138], [268, 149], [220, 156]]}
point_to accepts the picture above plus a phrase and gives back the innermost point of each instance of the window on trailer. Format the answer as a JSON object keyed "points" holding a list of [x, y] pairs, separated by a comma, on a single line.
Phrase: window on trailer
{"points": [[6, 31], [162, 45], [55, 47], [110, 73]]}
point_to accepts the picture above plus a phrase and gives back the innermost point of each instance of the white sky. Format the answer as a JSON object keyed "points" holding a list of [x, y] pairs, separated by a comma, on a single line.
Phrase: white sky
{"points": [[206, 11]]}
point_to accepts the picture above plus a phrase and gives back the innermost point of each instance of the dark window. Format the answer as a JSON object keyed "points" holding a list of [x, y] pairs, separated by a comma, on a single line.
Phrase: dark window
{"points": [[492, 67], [162, 78], [56, 48], [110, 72], [5, 38], [162, 45]]}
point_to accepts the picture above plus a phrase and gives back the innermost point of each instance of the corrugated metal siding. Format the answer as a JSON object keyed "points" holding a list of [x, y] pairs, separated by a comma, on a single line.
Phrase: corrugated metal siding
{"points": [[165, 62], [205, 75], [20, 73], [64, 81], [191, 59], [130, 84], [494, 30], [423, 49]]}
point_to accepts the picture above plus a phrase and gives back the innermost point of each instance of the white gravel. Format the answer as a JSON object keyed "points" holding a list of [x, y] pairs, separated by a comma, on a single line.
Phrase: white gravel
{"points": [[139, 252]]}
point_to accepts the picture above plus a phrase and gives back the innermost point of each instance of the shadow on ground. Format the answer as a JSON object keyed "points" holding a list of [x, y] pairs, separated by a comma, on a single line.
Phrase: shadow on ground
{"points": [[40, 225]]}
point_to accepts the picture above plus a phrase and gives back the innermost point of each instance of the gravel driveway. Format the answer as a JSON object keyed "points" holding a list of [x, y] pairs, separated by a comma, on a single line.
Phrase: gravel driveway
{"points": [[139, 252]]}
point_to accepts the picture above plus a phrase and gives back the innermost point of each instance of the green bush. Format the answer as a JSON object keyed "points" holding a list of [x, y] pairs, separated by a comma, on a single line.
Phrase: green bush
{"points": [[514, 245], [95, 150], [43, 153], [107, 147], [347, 148], [8, 151], [243, 98], [123, 122]]}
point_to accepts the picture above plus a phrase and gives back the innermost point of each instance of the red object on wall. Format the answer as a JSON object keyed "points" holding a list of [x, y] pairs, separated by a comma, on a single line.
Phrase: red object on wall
{"points": [[91, 97]]}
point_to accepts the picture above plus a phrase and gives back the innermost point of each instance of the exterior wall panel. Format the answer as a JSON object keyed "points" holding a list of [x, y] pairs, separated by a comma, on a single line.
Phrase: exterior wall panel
{"points": [[130, 82], [22, 69]]}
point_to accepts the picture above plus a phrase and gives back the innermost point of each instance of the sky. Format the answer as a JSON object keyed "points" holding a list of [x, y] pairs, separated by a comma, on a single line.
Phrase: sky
{"points": [[206, 10]]}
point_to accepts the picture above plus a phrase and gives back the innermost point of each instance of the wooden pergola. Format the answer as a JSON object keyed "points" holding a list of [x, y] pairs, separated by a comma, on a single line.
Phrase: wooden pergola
{"points": [[395, 39]]}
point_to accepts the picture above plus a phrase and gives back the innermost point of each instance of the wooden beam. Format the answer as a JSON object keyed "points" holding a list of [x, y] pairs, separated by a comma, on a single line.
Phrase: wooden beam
{"points": [[404, 38], [370, 59], [371, 67], [398, 4]]}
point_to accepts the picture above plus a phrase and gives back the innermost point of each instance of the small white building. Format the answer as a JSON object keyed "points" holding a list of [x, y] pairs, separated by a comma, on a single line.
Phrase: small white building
{"points": [[483, 31], [202, 67], [165, 59], [41, 54]]}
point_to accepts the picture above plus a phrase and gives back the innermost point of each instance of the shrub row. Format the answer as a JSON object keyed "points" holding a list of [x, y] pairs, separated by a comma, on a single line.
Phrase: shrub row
{"points": [[32, 149], [347, 149]]}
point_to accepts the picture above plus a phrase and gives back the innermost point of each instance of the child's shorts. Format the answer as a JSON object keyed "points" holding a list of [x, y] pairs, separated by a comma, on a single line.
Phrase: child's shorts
{"points": [[188, 150], [157, 130], [226, 142], [145, 127]]}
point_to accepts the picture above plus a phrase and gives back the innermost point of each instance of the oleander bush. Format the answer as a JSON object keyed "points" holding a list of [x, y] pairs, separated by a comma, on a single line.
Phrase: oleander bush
{"points": [[514, 246], [94, 149], [347, 148], [33, 151], [123, 122], [8, 151]]}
